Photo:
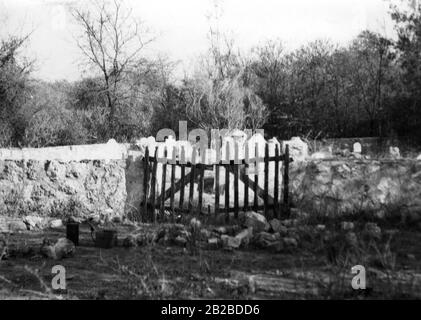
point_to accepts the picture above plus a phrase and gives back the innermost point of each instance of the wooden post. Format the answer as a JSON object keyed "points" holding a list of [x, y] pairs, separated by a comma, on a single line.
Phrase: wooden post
{"points": [[146, 185], [192, 176], [164, 179], [266, 183], [256, 176], [153, 184], [246, 182], [236, 159], [200, 187], [227, 184], [183, 173], [172, 183], [276, 186], [286, 180], [216, 189]]}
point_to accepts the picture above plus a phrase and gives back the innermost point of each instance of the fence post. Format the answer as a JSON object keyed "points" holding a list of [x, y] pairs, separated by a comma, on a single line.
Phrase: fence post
{"points": [[164, 179], [192, 176], [236, 159], [153, 184], [286, 180], [216, 189], [200, 186], [266, 184], [183, 172], [227, 183], [146, 186], [173, 165], [276, 186], [256, 176], [246, 180]]}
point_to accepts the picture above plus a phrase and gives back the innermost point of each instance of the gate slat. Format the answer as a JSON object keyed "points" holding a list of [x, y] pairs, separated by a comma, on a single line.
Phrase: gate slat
{"points": [[172, 183], [246, 181], [216, 189], [192, 177], [236, 181], [276, 186], [153, 184], [286, 179], [200, 187], [266, 182], [164, 178], [256, 176], [227, 184], [146, 186], [182, 181]]}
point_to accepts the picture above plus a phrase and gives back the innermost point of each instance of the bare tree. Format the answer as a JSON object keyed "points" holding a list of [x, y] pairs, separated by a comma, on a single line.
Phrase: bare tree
{"points": [[112, 42]]}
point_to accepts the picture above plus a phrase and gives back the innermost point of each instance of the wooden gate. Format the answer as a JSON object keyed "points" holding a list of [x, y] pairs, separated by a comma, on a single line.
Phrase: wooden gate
{"points": [[154, 202]]}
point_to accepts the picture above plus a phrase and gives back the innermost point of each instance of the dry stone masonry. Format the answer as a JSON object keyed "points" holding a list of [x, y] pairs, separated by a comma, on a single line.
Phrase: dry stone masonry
{"points": [[108, 179]]}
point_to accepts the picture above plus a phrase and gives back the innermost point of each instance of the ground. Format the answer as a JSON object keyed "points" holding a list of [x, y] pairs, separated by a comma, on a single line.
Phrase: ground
{"points": [[319, 268]]}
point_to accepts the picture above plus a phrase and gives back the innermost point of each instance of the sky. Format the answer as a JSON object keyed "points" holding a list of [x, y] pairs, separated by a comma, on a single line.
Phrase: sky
{"points": [[181, 26]]}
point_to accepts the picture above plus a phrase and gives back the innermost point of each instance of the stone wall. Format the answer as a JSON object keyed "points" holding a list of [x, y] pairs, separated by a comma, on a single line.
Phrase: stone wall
{"points": [[108, 179], [53, 187], [339, 186], [100, 178]]}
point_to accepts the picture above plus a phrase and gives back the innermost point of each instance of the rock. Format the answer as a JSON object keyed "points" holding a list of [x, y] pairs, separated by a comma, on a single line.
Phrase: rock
{"points": [[289, 222], [298, 149], [298, 214], [345, 153], [277, 226], [229, 230], [290, 242], [230, 243], [73, 219], [214, 243], [356, 155], [221, 230], [373, 230], [419, 157], [394, 153], [63, 248], [347, 226], [265, 240], [320, 227], [245, 236], [33, 222], [205, 234], [256, 221], [56, 223], [321, 155], [16, 226]]}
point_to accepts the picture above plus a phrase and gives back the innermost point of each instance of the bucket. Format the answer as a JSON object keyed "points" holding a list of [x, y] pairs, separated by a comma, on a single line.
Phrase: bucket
{"points": [[105, 238], [72, 232]]}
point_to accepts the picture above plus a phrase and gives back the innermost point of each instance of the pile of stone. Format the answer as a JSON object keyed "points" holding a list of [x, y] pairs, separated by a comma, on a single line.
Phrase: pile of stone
{"points": [[28, 223], [253, 230]]}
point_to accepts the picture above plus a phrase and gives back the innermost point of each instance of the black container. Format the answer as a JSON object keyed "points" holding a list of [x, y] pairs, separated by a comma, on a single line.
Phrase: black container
{"points": [[72, 232], [105, 238]]}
